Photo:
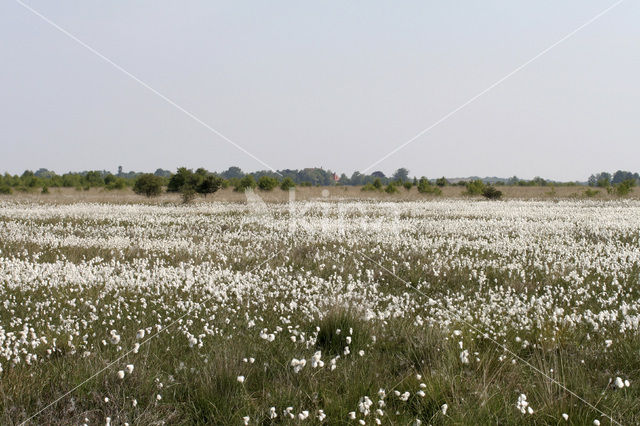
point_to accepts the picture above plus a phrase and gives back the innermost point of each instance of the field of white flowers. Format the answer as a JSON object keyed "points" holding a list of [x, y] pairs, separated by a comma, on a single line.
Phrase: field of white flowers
{"points": [[439, 312]]}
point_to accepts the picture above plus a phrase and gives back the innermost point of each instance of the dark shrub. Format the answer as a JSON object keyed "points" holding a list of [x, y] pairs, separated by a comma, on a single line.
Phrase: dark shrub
{"points": [[184, 179], [425, 187], [148, 184], [267, 183], [442, 182], [624, 188], [590, 192], [287, 183], [491, 193], [391, 188], [245, 183], [475, 187], [209, 185]]}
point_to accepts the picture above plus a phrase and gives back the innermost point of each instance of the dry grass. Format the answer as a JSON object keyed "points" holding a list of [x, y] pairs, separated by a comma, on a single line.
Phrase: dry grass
{"points": [[126, 196]]}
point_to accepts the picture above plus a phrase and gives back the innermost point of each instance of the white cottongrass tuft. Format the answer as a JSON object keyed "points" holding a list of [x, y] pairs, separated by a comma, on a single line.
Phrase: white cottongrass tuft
{"points": [[464, 357], [298, 364], [522, 403]]}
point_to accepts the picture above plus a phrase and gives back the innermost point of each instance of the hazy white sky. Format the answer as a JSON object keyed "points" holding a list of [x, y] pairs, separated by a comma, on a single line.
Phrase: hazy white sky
{"points": [[336, 84]]}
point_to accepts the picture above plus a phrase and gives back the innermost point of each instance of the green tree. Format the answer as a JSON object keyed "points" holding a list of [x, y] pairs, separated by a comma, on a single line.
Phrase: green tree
{"points": [[625, 187], [287, 183], [425, 187], [184, 180], [94, 178], [233, 173], [474, 187], [209, 185], [377, 184], [401, 175], [109, 179], [267, 183], [148, 184], [391, 188], [245, 183], [442, 181]]}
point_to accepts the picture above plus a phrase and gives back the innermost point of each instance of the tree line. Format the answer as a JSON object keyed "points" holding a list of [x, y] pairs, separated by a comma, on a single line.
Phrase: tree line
{"points": [[620, 182], [201, 181]]}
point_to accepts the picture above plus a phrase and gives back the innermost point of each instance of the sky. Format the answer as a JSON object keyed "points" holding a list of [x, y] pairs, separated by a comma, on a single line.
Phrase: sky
{"points": [[333, 84]]}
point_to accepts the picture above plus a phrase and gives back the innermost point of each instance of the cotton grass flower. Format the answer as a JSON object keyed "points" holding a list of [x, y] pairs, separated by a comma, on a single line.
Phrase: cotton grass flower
{"points": [[298, 364], [316, 361], [522, 403], [464, 357], [364, 405]]}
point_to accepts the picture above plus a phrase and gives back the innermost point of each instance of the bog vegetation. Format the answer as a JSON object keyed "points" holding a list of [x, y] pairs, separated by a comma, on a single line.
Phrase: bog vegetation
{"points": [[440, 312], [202, 182]]}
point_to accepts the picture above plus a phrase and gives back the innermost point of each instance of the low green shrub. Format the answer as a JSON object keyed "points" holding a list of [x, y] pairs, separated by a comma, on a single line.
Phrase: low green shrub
{"points": [[590, 192], [287, 183], [425, 187], [391, 189], [475, 187], [267, 183], [624, 188], [491, 193], [245, 183]]}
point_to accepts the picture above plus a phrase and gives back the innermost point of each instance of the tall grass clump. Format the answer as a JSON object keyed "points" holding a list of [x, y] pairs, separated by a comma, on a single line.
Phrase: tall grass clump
{"points": [[339, 327]]}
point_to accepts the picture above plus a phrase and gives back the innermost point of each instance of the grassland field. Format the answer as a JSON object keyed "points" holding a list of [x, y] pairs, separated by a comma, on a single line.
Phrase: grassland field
{"points": [[340, 308]]}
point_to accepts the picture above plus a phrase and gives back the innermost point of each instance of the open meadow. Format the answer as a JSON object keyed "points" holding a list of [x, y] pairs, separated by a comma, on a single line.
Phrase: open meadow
{"points": [[333, 311]]}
